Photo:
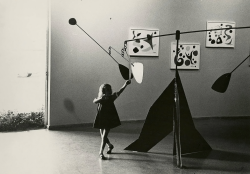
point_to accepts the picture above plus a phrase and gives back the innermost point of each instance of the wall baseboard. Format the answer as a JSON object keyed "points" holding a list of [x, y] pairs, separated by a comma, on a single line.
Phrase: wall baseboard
{"points": [[68, 126], [86, 125]]}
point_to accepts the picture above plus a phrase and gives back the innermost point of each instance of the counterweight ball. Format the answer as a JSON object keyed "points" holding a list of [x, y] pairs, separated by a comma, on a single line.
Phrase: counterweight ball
{"points": [[72, 21]]}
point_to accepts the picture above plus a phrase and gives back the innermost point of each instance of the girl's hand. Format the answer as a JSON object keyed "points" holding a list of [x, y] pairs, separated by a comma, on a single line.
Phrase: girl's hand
{"points": [[128, 82]]}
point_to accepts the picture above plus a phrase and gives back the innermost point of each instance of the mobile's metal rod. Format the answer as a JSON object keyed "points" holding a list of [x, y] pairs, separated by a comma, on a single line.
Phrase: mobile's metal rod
{"points": [[97, 43], [120, 54], [187, 32], [241, 63], [233, 28]]}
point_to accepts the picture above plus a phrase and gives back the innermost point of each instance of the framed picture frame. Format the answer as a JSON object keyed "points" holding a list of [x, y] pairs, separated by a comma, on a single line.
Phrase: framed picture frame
{"points": [[188, 56], [143, 47], [220, 38]]}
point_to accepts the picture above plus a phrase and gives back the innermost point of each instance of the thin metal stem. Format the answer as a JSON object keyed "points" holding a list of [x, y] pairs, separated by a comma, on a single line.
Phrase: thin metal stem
{"points": [[97, 43], [177, 109], [240, 63]]}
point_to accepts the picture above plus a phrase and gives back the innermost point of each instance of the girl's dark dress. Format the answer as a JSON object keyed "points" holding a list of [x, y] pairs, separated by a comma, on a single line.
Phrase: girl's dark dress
{"points": [[107, 116]]}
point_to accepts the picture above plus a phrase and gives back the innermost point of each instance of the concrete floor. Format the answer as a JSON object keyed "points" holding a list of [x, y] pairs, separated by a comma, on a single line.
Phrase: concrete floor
{"points": [[75, 151]]}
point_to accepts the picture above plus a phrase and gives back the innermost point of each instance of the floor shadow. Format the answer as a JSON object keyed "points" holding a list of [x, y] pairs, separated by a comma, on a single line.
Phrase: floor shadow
{"points": [[217, 160], [221, 156], [130, 153], [198, 155], [161, 153], [139, 157]]}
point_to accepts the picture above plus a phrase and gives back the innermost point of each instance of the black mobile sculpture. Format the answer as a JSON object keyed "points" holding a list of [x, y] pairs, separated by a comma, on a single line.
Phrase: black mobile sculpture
{"points": [[171, 112], [125, 72]]}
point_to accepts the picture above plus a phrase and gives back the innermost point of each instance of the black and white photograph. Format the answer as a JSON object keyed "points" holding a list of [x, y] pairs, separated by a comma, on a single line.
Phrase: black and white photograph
{"points": [[124, 87]]}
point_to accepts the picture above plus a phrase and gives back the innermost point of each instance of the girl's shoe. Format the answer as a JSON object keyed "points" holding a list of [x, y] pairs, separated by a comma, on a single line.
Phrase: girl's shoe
{"points": [[102, 157], [110, 149]]}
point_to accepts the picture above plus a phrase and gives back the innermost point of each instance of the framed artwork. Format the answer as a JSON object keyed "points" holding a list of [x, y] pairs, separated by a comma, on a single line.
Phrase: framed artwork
{"points": [[188, 56], [144, 47], [220, 38]]}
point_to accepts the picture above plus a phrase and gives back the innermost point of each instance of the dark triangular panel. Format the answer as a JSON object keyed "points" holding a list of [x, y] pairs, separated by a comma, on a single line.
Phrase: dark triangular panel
{"points": [[158, 124], [191, 139]]}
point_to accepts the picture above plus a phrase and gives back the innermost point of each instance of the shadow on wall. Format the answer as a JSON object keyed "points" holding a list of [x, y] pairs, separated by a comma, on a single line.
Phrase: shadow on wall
{"points": [[69, 105]]}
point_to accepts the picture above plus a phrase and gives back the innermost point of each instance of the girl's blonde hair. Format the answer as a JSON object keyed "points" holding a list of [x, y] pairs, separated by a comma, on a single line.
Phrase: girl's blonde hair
{"points": [[103, 88]]}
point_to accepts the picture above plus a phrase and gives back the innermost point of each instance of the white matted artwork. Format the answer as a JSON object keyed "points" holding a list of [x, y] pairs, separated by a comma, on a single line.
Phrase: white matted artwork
{"points": [[143, 47], [188, 56], [220, 38]]}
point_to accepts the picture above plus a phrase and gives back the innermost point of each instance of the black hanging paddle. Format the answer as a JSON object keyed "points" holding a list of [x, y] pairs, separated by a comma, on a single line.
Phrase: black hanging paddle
{"points": [[125, 72], [221, 84], [123, 69]]}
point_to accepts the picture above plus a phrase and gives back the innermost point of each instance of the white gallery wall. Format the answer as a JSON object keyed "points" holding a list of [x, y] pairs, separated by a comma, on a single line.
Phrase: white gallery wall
{"points": [[79, 66]]}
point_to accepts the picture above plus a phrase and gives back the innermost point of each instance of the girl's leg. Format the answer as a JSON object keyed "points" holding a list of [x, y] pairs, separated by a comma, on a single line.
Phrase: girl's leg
{"points": [[104, 135], [107, 140], [110, 146]]}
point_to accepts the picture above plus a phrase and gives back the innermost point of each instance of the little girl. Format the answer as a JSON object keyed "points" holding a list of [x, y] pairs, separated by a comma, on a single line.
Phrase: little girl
{"points": [[107, 116]]}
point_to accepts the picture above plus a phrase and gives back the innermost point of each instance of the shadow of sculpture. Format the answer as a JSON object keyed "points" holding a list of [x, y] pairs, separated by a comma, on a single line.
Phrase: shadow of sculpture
{"points": [[217, 160], [221, 156]]}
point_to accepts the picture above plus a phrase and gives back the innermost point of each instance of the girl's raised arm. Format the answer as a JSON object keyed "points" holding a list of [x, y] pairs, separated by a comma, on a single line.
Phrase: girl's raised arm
{"points": [[123, 87]]}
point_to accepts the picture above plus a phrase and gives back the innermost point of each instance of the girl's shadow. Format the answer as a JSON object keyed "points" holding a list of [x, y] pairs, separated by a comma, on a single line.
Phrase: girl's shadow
{"points": [[69, 105]]}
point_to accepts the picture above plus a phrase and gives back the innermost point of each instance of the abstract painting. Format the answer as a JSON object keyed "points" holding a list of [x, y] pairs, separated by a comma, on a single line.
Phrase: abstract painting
{"points": [[149, 46], [220, 38], [188, 56]]}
